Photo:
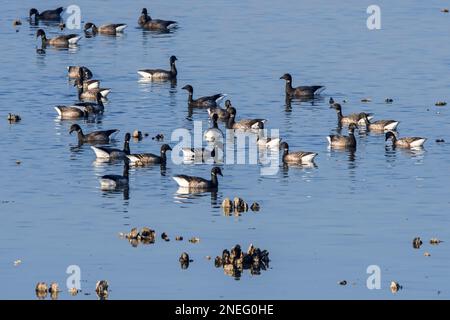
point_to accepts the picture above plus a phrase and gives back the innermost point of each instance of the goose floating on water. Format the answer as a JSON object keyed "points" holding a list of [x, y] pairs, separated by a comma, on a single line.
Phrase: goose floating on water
{"points": [[51, 15], [222, 113], [214, 133], [59, 41], [302, 91], [142, 159], [160, 74], [74, 72], [146, 22], [380, 125], [355, 118], [244, 124], [102, 136], [203, 102], [81, 109], [109, 29], [407, 142], [115, 181], [113, 153], [198, 183], [198, 154], [297, 156], [344, 141]]}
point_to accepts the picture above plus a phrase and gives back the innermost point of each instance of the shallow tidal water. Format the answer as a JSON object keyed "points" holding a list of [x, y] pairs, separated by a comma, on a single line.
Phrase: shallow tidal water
{"points": [[321, 225]]}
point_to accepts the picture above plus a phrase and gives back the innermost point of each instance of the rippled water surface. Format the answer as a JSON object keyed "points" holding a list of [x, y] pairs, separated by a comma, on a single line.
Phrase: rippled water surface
{"points": [[320, 224]]}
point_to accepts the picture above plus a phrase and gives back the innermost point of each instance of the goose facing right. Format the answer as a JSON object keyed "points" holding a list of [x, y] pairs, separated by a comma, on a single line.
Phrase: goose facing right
{"points": [[142, 159], [50, 15], [344, 141], [115, 181], [213, 134], [297, 156], [113, 153], [59, 41], [160, 74], [301, 91], [199, 183], [102, 136], [203, 102], [407, 142]]}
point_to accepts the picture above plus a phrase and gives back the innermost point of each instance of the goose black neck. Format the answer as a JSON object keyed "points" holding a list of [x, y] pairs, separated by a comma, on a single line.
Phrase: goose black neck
{"points": [[80, 135], [190, 99], [126, 147], [94, 28], [339, 114], [289, 88], [215, 126], [163, 157], [214, 180], [230, 123], [173, 69], [285, 153], [80, 91]]}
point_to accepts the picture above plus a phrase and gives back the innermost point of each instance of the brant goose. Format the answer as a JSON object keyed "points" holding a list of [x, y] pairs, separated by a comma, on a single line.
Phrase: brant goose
{"points": [[199, 183], [222, 113], [266, 142], [198, 154], [159, 74], [59, 41], [380, 125], [302, 91], [92, 137], [81, 109], [344, 141], [74, 72], [355, 118], [407, 142], [115, 181], [146, 22], [54, 15], [244, 124], [112, 153], [213, 133], [109, 29], [297, 156], [203, 102], [90, 94], [142, 159]]}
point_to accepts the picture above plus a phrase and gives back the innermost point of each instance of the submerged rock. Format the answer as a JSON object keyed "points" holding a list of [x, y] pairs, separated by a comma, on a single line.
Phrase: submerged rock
{"points": [[41, 290], [13, 117], [137, 134], [435, 241], [440, 104], [255, 206], [194, 240], [395, 287]]}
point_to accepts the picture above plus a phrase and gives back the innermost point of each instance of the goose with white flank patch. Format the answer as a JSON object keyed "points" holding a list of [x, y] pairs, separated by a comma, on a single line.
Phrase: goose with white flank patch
{"points": [[244, 124], [380, 125], [297, 156], [197, 183], [59, 41], [142, 159], [214, 133], [160, 74], [81, 109], [222, 113], [344, 141], [108, 29], [102, 136], [198, 154], [301, 91], [267, 142], [49, 15], [146, 22], [115, 181], [203, 102], [355, 118], [407, 142], [113, 153]]}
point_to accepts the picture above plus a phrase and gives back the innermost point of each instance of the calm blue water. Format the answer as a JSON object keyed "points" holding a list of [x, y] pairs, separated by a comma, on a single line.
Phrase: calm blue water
{"points": [[320, 225]]}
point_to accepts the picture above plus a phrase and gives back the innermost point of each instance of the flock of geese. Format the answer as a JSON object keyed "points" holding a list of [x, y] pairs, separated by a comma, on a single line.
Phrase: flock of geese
{"points": [[91, 95]]}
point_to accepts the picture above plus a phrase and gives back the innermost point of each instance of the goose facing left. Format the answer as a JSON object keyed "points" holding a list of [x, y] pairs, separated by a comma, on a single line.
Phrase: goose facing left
{"points": [[198, 183], [51, 15], [203, 102], [344, 141], [108, 29], [102, 136], [406, 142], [59, 41], [296, 156], [301, 91], [106, 153]]}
